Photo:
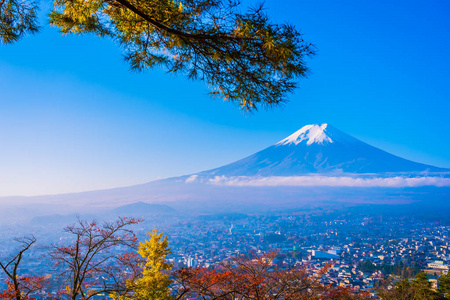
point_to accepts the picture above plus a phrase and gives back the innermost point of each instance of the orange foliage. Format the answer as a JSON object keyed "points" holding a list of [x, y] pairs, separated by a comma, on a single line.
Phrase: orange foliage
{"points": [[92, 265], [257, 279], [26, 286]]}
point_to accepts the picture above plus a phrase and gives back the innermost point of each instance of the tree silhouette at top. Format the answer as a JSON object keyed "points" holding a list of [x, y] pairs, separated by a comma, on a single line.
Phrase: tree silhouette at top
{"points": [[242, 56]]}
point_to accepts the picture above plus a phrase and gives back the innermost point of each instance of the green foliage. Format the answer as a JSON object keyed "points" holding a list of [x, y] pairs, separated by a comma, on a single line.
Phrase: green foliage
{"points": [[243, 57], [367, 266], [17, 18], [155, 282], [418, 289], [274, 238], [423, 287], [444, 285]]}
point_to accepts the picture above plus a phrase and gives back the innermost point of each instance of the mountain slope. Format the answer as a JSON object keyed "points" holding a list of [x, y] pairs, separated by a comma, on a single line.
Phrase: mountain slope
{"points": [[314, 149], [319, 149]]}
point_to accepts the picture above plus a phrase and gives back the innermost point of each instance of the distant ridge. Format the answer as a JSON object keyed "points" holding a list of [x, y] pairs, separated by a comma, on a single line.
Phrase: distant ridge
{"points": [[141, 209]]}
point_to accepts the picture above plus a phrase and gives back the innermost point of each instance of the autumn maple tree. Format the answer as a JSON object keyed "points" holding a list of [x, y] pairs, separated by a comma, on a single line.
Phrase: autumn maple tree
{"points": [[19, 287], [99, 260], [257, 279]]}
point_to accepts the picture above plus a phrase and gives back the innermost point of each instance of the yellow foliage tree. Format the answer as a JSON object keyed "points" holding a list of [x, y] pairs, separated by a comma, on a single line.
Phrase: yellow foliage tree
{"points": [[154, 284]]}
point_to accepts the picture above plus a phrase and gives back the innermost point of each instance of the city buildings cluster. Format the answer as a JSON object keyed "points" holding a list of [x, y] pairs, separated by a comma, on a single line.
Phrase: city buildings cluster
{"points": [[360, 251]]}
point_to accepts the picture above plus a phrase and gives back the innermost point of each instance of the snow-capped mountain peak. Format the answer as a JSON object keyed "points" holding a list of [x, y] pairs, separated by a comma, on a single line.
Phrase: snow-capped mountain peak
{"points": [[312, 134], [320, 149]]}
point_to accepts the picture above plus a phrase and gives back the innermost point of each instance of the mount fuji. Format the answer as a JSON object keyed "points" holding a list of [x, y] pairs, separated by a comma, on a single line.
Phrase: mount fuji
{"points": [[315, 166], [321, 149]]}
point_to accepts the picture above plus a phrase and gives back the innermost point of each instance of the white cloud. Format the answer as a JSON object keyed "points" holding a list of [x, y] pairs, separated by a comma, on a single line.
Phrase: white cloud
{"points": [[191, 178], [397, 181]]}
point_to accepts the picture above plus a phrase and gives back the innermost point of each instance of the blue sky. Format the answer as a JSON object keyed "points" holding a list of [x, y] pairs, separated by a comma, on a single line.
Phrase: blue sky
{"points": [[74, 118]]}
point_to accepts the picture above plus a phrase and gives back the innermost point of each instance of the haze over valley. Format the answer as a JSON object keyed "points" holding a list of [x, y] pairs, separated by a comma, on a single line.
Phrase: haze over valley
{"points": [[316, 166]]}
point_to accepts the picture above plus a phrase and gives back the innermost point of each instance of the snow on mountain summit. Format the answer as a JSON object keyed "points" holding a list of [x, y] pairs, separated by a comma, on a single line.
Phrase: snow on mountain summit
{"points": [[321, 149], [312, 134]]}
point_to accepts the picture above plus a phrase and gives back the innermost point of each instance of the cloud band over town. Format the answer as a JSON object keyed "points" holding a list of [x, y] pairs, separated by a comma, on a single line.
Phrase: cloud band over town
{"points": [[344, 181]]}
